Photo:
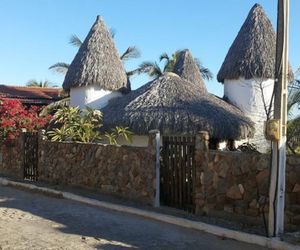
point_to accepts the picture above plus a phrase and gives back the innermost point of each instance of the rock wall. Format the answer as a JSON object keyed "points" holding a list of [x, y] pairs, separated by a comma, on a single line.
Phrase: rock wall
{"points": [[238, 184], [12, 158], [226, 183], [128, 172]]}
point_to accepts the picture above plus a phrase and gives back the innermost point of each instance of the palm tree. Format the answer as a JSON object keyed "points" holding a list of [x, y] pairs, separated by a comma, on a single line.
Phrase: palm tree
{"points": [[153, 69], [40, 84], [130, 53], [170, 62]]}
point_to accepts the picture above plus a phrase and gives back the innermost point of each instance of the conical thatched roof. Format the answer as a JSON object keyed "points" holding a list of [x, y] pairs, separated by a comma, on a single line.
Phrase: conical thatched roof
{"points": [[175, 106], [97, 62], [186, 67], [253, 51]]}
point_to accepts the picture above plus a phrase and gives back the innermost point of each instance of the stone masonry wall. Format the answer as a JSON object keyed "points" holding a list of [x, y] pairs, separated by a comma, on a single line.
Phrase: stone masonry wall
{"points": [[128, 172], [12, 158], [238, 183]]}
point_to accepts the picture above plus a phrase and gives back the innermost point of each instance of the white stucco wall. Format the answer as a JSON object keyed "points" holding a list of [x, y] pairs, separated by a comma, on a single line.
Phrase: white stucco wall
{"points": [[246, 94], [91, 96], [137, 141]]}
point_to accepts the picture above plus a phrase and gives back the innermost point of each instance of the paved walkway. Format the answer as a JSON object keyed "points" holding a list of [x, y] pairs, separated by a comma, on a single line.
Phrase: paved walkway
{"points": [[33, 221]]}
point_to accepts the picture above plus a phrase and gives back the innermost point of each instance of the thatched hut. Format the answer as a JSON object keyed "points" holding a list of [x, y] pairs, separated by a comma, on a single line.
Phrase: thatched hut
{"points": [[96, 74], [176, 107], [186, 67], [248, 70]]}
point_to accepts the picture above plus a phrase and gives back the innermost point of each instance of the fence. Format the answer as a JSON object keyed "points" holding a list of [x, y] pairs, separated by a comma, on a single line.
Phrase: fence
{"points": [[178, 172]]}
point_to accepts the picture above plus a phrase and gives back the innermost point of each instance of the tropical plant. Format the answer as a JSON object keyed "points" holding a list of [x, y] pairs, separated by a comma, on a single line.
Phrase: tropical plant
{"points": [[40, 84], [73, 124], [130, 53], [293, 135], [151, 68], [14, 118], [154, 70], [53, 107], [75, 41]]}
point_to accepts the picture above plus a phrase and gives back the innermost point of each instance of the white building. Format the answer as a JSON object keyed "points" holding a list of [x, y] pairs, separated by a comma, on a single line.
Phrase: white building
{"points": [[248, 72], [177, 104], [96, 74]]}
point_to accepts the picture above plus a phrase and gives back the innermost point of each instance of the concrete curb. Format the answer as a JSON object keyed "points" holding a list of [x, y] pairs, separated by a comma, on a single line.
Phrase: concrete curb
{"points": [[272, 243]]}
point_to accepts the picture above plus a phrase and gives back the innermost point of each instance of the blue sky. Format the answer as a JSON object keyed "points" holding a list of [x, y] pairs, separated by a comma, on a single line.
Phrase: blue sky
{"points": [[35, 33]]}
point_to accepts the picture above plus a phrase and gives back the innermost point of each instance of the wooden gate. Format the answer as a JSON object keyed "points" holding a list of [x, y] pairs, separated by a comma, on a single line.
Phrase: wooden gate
{"points": [[178, 172], [31, 156]]}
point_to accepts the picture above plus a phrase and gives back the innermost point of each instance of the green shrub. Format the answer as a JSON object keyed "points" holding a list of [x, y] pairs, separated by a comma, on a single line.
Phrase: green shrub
{"points": [[73, 124]]}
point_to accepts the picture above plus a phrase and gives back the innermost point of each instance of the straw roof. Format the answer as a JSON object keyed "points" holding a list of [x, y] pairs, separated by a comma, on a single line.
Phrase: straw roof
{"points": [[186, 67], [176, 107], [97, 62], [253, 51]]}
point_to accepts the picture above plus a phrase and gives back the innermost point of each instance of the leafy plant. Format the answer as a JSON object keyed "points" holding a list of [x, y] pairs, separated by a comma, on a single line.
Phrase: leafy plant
{"points": [[131, 52], [40, 84], [73, 124], [14, 118], [154, 70]]}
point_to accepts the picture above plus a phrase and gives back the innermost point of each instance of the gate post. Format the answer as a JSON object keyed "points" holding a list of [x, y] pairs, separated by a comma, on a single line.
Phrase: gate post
{"points": [[154, 138], [201, 160]]}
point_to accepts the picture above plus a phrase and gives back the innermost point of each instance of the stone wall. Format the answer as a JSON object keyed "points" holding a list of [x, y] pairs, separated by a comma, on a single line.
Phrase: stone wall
{"points": [[12, 158], [226, 183], [292, 188], [128, 172], [237, 183]]}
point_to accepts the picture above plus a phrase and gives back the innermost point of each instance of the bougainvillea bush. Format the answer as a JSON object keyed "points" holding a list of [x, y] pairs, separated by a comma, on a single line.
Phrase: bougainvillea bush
{"points": [[15, 118]]}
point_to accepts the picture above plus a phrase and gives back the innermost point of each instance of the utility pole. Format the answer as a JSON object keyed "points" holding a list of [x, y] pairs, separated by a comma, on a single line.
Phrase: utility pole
{"points": [[277, 184]]}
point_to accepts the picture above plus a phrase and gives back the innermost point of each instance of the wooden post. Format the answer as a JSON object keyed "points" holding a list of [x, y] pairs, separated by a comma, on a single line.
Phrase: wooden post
{"points": [[277, 184]]}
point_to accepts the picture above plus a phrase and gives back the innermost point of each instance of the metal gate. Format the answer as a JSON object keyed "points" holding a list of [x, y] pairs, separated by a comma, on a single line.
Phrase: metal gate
{"points": [[31, 156], [178, 172]]}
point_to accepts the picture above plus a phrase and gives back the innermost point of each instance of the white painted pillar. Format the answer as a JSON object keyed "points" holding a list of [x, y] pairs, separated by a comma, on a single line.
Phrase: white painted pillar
{"points": [[157, 167], [277, 185]]}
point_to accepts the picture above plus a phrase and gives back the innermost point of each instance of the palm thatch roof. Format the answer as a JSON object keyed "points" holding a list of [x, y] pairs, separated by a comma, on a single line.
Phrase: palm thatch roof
{"points": [[97, 62], [186, 67], [176, 107], [253, 52]]}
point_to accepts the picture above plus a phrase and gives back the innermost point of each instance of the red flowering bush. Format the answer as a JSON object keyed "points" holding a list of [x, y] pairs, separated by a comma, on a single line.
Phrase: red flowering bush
{"points": [[14, 118]]}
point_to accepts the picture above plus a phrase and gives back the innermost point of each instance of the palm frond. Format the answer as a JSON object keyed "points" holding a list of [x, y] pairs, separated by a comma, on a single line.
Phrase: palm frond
{"points": [[150, 68], [60, 67], [112, 32], [205, 72], [164, 56], [52, 107], [132, 72], [155, 71], [75, 41], [40, 84], [146, 66], [293, 99], [131, 52], [170, 61]]}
